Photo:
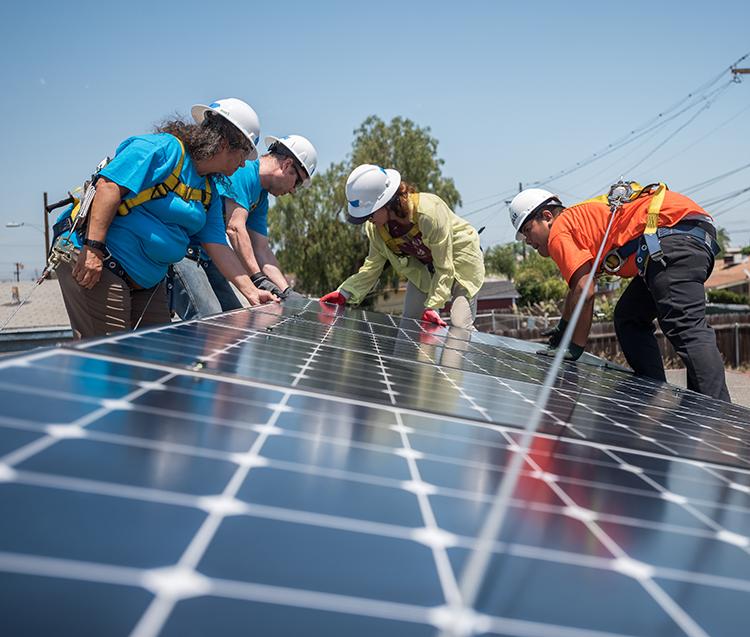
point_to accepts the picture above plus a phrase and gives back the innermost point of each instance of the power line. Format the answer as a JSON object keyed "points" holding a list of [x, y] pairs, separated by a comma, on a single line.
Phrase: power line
{"points": [[713, 180], [732, 207], [725, 197], [699, 140], [671, 136], [707, 100], [693, 99]]}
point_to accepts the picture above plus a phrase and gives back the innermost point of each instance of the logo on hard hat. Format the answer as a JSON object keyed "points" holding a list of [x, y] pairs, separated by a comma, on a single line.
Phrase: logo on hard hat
{"points": [[354, 204]]}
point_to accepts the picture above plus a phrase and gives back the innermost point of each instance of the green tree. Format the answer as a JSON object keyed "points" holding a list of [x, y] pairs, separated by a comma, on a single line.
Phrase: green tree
{"points": [[309, 230], [727, 296], [408, 148], [501, 260], [312, 237], [538, 279]]}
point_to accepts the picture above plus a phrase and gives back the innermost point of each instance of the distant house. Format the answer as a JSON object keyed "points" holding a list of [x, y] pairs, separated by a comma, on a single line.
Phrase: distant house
{"points": [[41, 321], [497, 295], [732, 273], [494, 295]]}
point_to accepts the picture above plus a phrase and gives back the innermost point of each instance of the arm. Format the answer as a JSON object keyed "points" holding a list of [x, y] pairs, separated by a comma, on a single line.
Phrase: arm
{"points": [[577, 289], [267, 259], [356, 287], [229, 265], [238, 235], [88, 268], [438, 237]]}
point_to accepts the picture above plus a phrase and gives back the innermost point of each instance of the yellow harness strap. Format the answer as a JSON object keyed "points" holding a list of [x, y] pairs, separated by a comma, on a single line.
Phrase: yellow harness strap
{"points": [[654, 208], [394, 243], [170, 184]]}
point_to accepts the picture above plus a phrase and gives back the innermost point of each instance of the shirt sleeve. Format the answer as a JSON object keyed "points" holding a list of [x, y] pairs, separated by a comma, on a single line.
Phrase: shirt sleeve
{"points": [[141, 163], [257, 218], [438, 237], [213, 230], [359, 284], [568, 253]]}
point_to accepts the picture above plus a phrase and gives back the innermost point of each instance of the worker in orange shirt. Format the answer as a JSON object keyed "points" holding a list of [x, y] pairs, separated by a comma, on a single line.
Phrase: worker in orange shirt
{"points": [[661, 238]]}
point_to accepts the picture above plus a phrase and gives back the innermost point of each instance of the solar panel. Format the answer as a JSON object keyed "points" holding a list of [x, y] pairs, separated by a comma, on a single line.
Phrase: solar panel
{"points": [[290, 470]]}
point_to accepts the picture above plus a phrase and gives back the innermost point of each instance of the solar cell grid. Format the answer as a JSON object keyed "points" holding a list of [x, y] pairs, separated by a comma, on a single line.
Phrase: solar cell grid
{"points": [[190, 481]]}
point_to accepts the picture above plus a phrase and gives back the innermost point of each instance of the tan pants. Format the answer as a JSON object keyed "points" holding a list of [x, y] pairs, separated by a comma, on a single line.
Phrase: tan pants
{"points": [[463, 310], [111, 305]]}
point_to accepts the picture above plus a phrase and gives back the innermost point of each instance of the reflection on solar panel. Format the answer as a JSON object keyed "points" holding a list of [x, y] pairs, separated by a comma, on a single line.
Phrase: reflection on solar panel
{"points": [[291, 471]]}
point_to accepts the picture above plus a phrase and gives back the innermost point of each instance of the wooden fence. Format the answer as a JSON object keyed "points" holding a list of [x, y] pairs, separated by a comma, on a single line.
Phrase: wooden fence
{"points": [[732, 337]]}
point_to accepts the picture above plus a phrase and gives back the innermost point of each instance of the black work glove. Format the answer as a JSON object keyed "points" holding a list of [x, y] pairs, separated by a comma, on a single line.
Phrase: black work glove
{"points": [[262, 282], [556, 333], [573, 353]]}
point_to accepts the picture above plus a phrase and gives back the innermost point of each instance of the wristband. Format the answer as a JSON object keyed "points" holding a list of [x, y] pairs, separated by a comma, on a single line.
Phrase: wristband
{"points": [[97, 245]]}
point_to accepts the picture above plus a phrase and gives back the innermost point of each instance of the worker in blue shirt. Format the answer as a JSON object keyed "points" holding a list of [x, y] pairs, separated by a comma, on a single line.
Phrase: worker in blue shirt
{"points": [[289, 164], [158, 192]]}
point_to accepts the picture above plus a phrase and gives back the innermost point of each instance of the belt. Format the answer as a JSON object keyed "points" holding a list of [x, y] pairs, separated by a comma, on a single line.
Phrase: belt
{"points": [[616, 258], [113, 266], [194, 254]]}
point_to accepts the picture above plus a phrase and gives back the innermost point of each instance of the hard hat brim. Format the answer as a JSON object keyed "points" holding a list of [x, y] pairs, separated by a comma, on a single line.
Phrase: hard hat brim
{"points": [[357, 221], [268, 141], [198, 111], [361, 213], [551, 200]]}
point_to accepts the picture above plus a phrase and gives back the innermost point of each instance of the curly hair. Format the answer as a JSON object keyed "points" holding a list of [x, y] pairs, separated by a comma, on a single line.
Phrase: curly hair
{"points": [[399, 203], [205, 140]]}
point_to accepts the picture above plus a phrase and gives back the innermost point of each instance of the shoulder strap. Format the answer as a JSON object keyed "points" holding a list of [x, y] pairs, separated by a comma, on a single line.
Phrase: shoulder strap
{"points": [[171, 184], [394, 243]]}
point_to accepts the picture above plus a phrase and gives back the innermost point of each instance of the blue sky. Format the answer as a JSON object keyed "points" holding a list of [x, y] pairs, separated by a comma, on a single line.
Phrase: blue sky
{"points": [[512, 91]]}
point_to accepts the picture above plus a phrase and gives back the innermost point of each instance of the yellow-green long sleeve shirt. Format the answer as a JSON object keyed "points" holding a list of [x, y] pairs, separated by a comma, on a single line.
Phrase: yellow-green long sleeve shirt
{"points": [[453, 242]]}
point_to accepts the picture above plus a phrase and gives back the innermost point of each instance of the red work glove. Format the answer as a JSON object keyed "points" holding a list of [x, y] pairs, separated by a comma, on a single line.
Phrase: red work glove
{"points": [[431, 316], [334, 297]]}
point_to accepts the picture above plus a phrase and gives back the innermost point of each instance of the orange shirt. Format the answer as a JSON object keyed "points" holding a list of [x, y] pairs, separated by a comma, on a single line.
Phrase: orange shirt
{"points": [[577, 231]]}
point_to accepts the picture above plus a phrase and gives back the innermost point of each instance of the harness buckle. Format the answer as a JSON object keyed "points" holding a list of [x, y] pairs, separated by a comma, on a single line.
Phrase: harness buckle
{"points": [[619, 194], [612, 262], [653, 245]]}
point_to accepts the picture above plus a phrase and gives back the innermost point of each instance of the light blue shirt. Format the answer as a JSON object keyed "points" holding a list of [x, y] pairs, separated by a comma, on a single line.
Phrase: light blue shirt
{"points": [[156, 233], [244, 187]]}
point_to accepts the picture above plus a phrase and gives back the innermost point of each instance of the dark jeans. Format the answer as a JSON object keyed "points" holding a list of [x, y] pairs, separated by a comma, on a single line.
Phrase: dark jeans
{"points": [[675, 296], [224, 292], [200, 290]]}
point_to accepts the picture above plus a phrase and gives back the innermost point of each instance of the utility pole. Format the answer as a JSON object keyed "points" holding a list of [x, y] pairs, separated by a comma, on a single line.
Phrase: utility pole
{"points": [[523, 243], [507, 203], [19, 267], [45, 214]]}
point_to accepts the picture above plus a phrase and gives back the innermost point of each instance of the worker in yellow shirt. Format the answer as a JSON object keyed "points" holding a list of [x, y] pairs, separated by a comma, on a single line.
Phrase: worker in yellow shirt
{"points": [[422, 238]]}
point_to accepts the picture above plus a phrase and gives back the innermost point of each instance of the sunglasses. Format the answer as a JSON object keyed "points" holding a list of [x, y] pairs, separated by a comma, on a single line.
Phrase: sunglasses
{"points": [[301, 177]]}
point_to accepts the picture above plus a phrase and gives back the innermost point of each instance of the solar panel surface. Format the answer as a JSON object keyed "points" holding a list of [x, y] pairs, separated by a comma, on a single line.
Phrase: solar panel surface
{"points": [[294, 470]]}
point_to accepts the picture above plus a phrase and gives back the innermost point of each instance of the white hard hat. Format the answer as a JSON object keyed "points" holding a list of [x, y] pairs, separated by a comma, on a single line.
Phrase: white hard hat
{"points": [[527, 202], [302, 149], [239, 113], [368, 188]]}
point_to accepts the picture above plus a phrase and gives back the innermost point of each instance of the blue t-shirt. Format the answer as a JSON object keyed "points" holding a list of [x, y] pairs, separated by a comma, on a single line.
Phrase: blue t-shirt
{"points": [[156, 233], [245, 189]]}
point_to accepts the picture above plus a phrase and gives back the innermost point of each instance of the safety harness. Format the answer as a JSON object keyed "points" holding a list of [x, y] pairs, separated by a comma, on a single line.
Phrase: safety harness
{"points": [[410, 243], [172, 183], [648, 245]]}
